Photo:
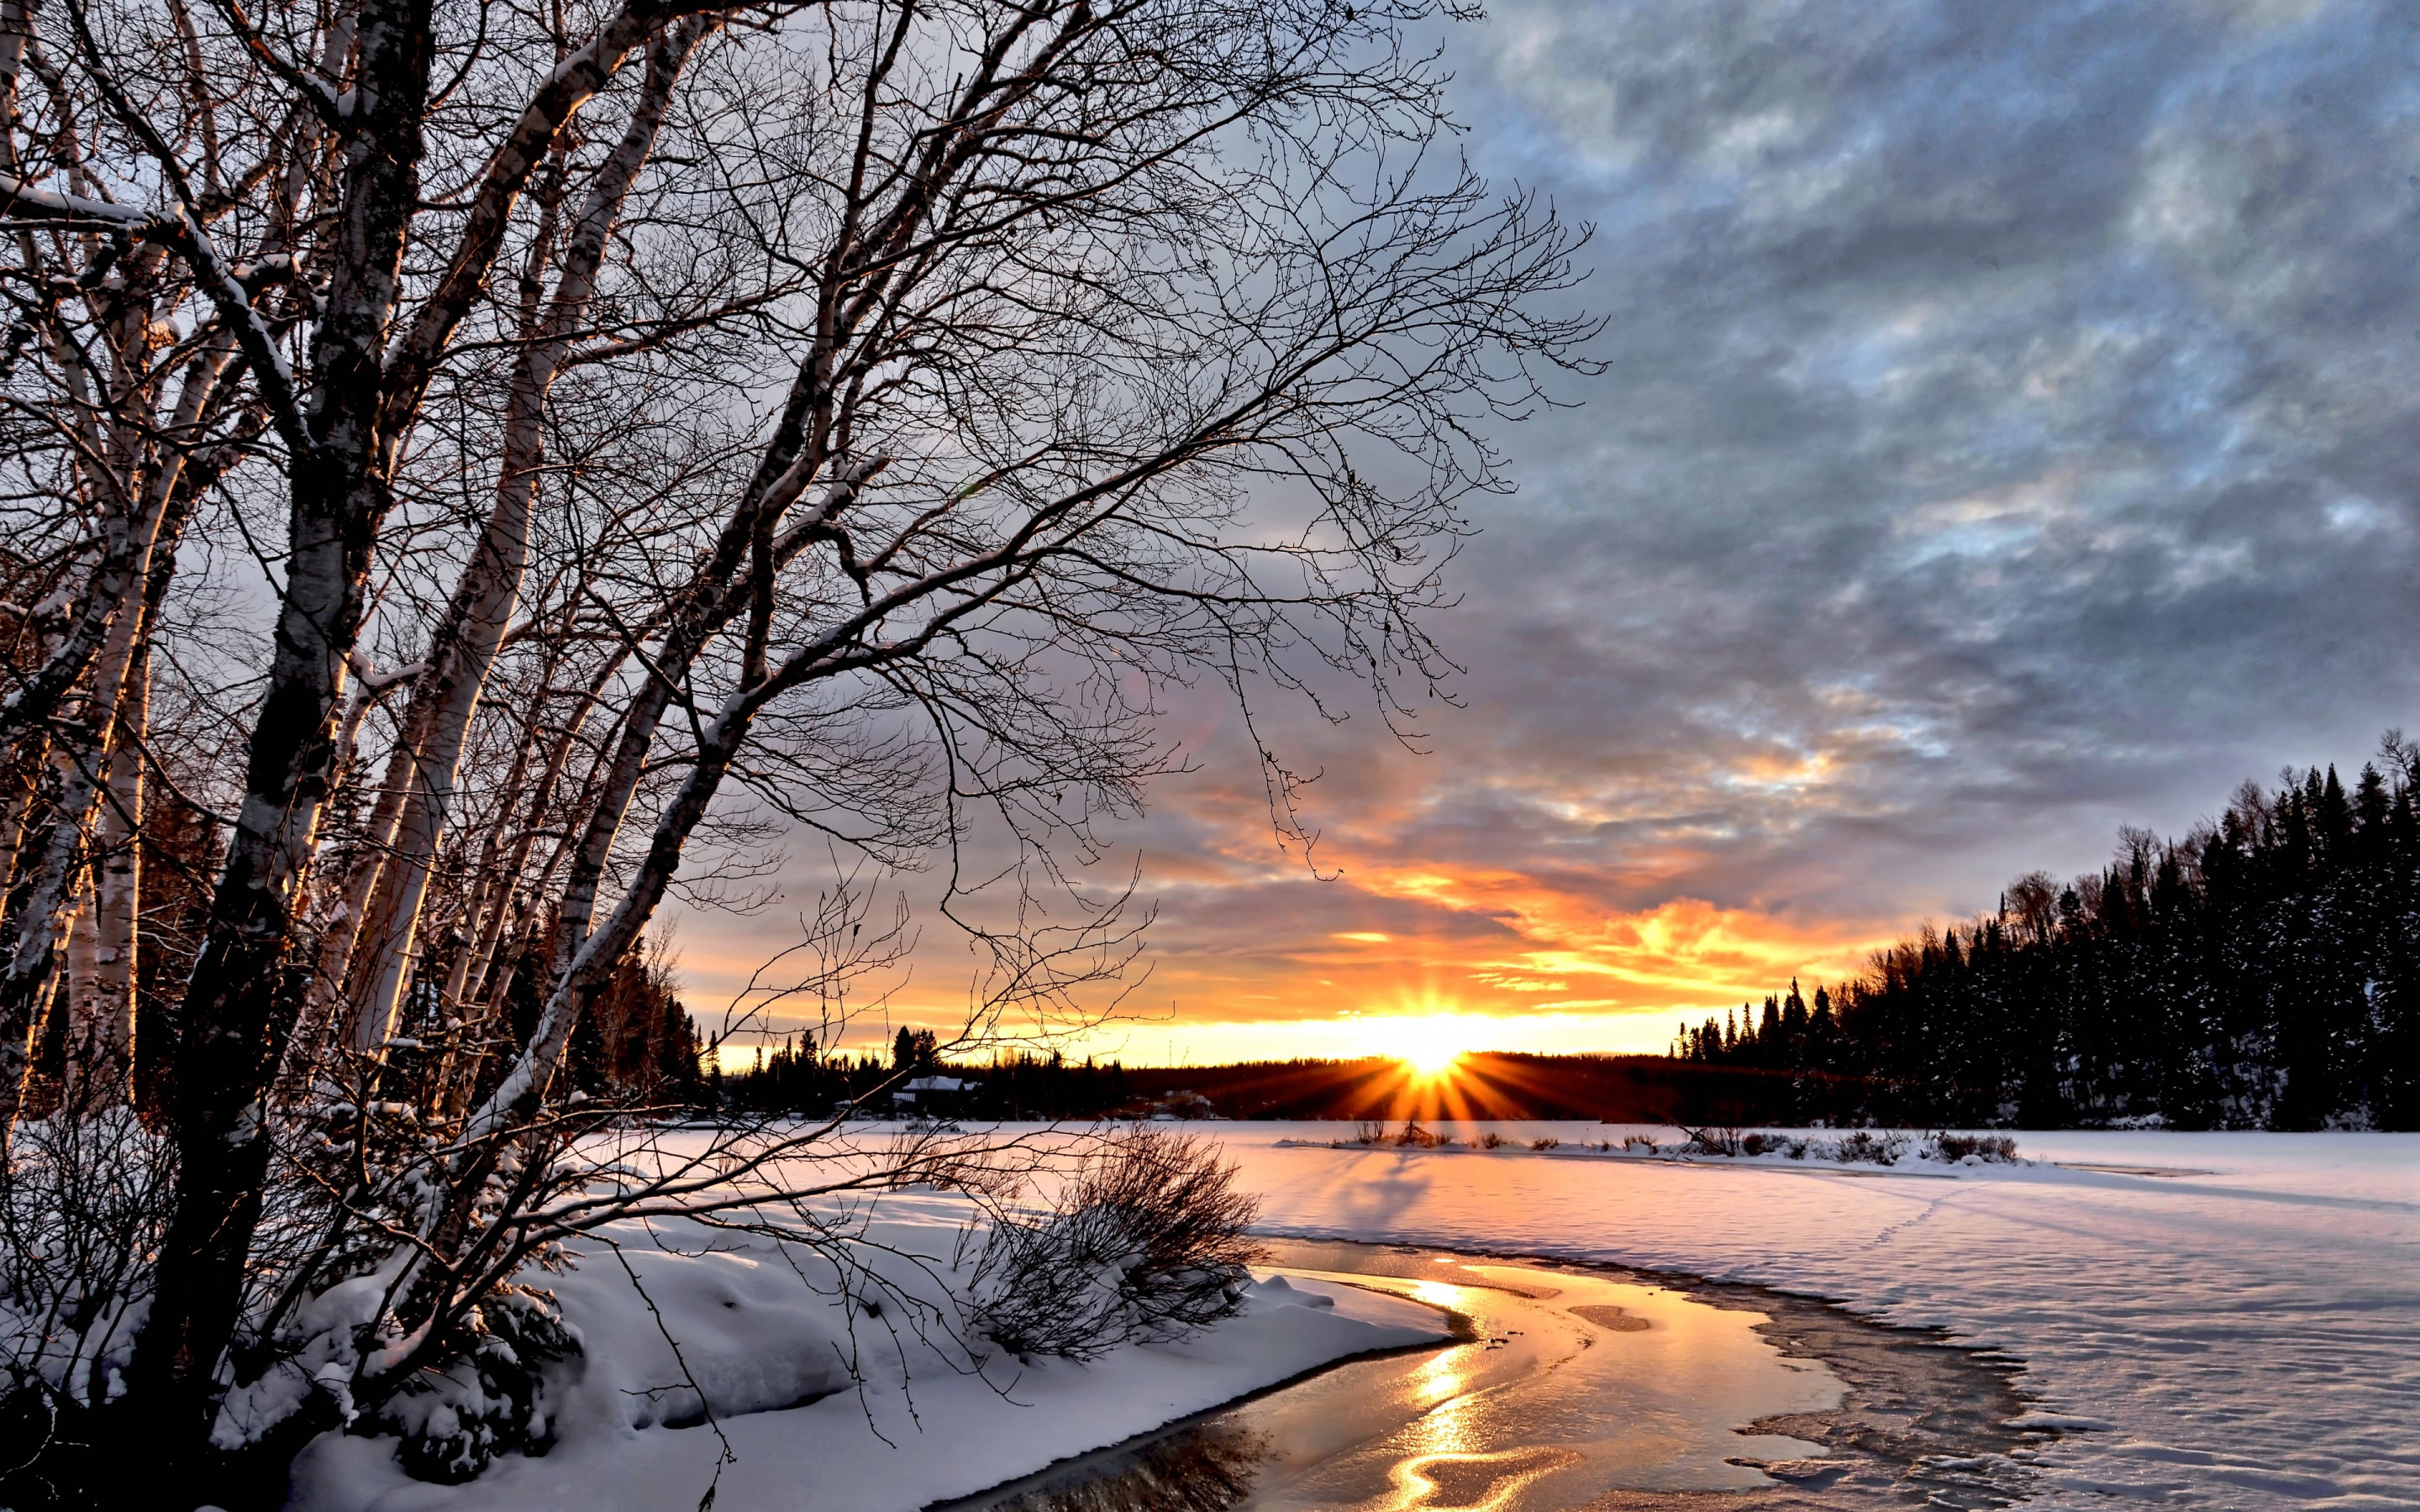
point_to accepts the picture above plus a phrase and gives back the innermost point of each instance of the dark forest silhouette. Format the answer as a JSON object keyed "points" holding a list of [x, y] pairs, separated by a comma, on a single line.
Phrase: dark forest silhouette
{"points": [[2262, 972]]}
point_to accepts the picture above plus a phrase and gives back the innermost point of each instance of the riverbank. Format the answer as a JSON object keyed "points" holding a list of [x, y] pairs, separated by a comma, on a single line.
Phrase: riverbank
{"points": [[1588, 1386], [757, 1401]]}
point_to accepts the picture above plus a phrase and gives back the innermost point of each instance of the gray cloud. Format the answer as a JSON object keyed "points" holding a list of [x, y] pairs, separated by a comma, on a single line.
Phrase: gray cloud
{"points": [[2013, 404], [2008, 431]]}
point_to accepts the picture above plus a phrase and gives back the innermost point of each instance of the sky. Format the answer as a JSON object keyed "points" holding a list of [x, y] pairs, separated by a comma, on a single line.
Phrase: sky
{"points": [[2007, 432]]}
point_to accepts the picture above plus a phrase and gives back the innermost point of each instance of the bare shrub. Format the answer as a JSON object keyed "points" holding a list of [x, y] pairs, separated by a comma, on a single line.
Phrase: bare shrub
{"points": [[1639, 1142], [1711, 1140], [1145, 1241], [1415, 1137], [1548, 1142], [84, 1201], [1369, 1132], [1492, 1140], [1953, 1147], [1863, 1147]]}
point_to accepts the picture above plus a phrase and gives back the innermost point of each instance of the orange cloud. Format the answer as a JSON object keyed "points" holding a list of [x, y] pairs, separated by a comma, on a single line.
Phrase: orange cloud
{"points": [[1488, 900]]}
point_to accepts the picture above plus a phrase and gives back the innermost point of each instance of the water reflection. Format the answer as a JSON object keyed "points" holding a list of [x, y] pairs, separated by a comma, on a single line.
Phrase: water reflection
{"points": [[1568, 1388], [1207, 1468], [1548, 1407], [1600, 1392], [1474, 1481]]}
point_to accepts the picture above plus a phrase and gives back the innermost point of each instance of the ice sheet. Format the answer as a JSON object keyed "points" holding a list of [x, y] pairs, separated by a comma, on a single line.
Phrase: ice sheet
{"points": [[2245, 1337]]}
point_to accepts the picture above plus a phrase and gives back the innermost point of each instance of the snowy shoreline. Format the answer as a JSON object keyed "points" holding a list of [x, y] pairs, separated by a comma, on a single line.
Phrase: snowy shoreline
{"points": [[764, 1345], [1057, 1472], [2209, 1318]]}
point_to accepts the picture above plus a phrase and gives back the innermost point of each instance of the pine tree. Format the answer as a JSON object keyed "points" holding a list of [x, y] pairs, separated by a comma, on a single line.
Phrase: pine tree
{"points": [[2263, 971]]}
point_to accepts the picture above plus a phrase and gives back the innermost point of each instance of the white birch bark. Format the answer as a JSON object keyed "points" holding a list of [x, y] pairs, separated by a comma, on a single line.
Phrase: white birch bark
{"points": [[491, 585], [82, 755], [100, 1044]]}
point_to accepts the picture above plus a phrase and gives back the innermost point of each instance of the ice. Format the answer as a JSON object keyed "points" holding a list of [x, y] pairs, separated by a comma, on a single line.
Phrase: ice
{"points": [[2247, 1335]]}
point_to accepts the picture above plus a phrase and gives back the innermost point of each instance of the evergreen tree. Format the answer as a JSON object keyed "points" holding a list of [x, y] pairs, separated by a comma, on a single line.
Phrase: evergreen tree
{"points": [[2261, 972]]}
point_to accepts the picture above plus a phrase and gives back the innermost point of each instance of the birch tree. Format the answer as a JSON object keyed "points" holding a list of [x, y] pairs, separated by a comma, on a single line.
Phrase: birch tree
{"points": [[644, 428]]}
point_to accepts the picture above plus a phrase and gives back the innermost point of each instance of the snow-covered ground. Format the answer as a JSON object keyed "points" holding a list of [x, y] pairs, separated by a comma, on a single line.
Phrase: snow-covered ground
{"points": [[2240, 1330], [766, 1339], [2223, 1320]]}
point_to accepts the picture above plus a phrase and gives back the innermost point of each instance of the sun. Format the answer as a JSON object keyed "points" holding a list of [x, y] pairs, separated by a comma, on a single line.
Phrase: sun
{"points": [[1429, 1046]]}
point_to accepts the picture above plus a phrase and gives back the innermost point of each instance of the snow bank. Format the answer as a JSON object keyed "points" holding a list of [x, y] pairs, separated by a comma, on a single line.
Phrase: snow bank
{"points": [[2223, 1320], [2214, 1320], [766, 1343]]}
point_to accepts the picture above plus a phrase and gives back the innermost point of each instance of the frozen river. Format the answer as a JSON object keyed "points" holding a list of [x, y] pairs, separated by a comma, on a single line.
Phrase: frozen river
{"points": [[2193, 1321], [2225, 1321], [1573, 1388]]}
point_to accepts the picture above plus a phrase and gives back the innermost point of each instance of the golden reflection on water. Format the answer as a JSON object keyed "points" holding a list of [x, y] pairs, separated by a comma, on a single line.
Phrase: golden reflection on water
{"points": [[1441, 1378], [1446, 1429], [1544, 1409], [1472, 1480], [1550, 1409], [1444, 1463]]}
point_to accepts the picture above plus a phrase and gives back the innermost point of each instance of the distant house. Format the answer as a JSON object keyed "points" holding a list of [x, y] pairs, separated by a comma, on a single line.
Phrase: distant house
{"points": [[1172, 1107], [934, 1096]]}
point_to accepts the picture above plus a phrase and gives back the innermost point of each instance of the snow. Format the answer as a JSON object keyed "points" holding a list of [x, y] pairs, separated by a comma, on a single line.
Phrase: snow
{"points": [[2242, 1332], [766, 1341], [2212, 1321]]}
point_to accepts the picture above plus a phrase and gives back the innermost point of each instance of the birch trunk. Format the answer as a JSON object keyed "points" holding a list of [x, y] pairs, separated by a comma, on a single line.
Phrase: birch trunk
{"points": [[340, 933], [82, 755], [491, 585], [45, 920], [101, 1041], [232, 1034], [86, 748], [370, 380]]}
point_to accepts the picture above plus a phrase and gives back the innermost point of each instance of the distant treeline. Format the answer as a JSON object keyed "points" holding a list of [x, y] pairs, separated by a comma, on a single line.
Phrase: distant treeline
{"points": [[793, 1078], [2262, 972], [798, 1078]]}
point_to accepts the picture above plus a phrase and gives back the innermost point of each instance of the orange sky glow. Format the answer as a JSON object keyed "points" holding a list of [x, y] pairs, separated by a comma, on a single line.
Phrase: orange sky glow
{"points": [[1414, 925], [1476, 959]]}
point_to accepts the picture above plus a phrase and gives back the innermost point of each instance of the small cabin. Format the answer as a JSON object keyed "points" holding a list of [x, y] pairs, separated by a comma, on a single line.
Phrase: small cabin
{"points": [[934, 1096]]}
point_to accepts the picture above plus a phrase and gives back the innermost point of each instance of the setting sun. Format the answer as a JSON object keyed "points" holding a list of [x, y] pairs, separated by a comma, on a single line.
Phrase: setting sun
{"points": [[1428, 1045]]}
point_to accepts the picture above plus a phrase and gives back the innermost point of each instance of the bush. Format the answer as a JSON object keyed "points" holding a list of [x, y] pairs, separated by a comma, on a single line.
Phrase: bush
{"points": [[1951, 1147], [1545, 1144], [1492, 1140], [1639, 1142], [490, 1399], [1712, 1141], [1145, 1241], [83, 1208], [1860, 1146], [1863, 1147]]}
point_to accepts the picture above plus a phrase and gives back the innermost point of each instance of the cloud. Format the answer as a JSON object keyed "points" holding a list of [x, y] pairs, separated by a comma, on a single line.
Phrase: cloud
{"points": [[2006, 433]]}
